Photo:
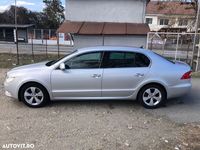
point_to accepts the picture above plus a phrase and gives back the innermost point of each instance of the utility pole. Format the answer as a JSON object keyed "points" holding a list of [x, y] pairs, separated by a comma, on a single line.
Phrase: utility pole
{"points": [[16, 32], [195, 58]]}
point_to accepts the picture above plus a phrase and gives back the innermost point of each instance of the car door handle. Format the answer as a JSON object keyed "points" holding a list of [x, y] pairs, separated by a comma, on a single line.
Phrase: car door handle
{"points": [[96, 75], [139, 75]]}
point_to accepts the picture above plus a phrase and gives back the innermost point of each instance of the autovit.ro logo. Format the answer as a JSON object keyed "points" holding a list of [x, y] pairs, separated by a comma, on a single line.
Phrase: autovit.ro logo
{"points": [[18, 146]]}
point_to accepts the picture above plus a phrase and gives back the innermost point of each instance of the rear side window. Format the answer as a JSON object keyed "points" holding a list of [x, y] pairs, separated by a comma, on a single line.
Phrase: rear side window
{"points": [[125, 60], [141, 60]]}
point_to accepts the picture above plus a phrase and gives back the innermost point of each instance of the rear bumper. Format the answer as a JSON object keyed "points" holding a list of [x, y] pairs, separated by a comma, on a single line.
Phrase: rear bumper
{"points": [[179, 90]]}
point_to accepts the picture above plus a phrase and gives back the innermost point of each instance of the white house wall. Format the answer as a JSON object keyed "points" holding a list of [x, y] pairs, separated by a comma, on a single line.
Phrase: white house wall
{"points": [[106, 10], [155, 26], [81, 41], [95, 40], [137, 41]]}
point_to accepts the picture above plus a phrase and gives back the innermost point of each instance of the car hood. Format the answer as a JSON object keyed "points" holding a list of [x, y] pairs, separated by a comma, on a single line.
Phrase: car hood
{"points": [[28, 68]]}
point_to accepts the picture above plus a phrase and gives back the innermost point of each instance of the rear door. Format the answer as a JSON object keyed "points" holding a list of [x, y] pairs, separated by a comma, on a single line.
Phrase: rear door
{"points": [[123, 71]]}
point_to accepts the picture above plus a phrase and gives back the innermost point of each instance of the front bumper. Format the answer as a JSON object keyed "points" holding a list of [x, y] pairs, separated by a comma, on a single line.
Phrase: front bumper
{"points": [[8, 94], [10, 90]]}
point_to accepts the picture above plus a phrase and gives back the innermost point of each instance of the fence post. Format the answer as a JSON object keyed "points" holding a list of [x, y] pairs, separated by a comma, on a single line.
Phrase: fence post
{"points": [[198, 57], [49, 34], [34, 34], [46, 48], [58, 44], [42, 35], [147, 46], [177, 46], [163, 47], [17, 44], [32, 48]]}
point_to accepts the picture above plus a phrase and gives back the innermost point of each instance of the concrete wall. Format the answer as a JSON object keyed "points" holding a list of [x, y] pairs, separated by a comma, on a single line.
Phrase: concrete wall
{"points": [[95, 40], [129, 40], [81, 41], [106, 10]]}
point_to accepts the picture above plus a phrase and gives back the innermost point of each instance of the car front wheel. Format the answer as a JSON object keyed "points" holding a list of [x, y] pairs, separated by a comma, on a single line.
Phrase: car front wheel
{"points": [[34, 95], [152, 96]]}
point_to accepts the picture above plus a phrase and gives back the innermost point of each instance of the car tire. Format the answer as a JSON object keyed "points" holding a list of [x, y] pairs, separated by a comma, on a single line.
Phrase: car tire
{"points": [[34, 95], [152, 96]]}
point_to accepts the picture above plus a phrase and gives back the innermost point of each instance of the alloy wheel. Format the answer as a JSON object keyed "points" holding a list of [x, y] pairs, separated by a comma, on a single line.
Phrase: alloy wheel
{"points": [[33, 96], [152, 96]]}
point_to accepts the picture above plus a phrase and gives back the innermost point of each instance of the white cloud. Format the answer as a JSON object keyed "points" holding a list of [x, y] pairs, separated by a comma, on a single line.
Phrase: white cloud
{"points": [[24, 3], [19, 3], [4, 7]]}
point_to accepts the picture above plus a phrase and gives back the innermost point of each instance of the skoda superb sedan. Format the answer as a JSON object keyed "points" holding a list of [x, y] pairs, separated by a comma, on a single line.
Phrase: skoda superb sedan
{"points": [[105, 72]]}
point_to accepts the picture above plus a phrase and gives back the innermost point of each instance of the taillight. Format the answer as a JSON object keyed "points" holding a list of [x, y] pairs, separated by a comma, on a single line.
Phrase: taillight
{"points": [[187, 75]]}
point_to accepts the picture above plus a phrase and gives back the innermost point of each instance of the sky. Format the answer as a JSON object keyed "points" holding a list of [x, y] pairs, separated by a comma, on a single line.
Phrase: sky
{"points": [[34, 5]]}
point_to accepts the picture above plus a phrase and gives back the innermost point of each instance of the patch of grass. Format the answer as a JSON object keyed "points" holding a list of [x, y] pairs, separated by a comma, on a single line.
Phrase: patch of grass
{"points": [[10, 60], [196, 74]]}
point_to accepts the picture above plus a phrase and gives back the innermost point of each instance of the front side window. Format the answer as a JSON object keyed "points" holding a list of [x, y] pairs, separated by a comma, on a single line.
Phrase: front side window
{"points": [[125, 60], [85, 61]]}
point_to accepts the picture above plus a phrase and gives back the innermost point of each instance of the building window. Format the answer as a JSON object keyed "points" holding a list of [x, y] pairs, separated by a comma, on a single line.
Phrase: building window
{"points": [[183, 22], [149, 20], [164, 21]]}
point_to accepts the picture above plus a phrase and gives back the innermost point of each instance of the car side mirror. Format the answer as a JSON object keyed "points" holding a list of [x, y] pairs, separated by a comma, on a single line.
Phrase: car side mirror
{"points": [[62, 66]]}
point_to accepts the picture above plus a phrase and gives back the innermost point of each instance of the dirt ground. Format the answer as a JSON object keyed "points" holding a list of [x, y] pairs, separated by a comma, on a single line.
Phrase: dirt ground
{"points": [[92, 125]]}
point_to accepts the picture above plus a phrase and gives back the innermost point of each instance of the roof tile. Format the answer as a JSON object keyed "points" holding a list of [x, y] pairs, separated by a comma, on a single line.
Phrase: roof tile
{"points": [[105, 28], [170, 8]]}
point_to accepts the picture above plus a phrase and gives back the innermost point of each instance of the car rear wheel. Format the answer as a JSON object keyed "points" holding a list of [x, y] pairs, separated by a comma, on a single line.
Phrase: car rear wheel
{"points": [[152, 96], [34, 95]]}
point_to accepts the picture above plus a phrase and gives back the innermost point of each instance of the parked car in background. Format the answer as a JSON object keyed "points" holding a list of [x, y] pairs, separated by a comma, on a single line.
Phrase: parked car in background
{"points": [[105, 72]]}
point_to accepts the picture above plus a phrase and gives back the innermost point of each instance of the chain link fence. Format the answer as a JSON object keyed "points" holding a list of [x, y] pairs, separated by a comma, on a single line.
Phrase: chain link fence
{"points": [[37, 45], [174, 46], [40, 45]]}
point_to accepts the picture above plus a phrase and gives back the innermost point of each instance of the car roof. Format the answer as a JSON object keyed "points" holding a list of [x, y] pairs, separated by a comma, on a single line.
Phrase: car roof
{"points": [[114, 48]]}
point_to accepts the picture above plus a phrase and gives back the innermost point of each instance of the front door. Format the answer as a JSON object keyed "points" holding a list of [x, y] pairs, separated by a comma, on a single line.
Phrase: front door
{"points": [[81, 81]]}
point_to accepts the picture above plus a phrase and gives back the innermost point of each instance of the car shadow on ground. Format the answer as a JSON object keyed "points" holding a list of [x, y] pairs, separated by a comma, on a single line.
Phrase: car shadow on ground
{"points": [[111, 104]]}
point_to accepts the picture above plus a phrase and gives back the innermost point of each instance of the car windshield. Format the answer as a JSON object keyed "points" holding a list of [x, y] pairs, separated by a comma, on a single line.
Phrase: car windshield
{"points": [[52, 62]]}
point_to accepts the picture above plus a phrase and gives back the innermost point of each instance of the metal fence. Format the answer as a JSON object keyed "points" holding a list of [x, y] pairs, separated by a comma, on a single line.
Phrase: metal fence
{"points": [[45, 44], [40, 44], [175, 46]]}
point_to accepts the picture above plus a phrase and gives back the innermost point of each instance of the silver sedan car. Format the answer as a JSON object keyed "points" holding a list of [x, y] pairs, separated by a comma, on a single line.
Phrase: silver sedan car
{"points": [[105, 72]]}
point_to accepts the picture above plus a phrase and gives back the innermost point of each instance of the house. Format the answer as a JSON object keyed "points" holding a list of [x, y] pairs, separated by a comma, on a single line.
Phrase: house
{"points": [[7, 32], [106, 22], [170, 16]]}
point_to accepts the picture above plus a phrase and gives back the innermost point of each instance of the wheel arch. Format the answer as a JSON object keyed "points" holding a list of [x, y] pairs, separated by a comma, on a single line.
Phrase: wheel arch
{"points": [[152, 83], [32, 82]]}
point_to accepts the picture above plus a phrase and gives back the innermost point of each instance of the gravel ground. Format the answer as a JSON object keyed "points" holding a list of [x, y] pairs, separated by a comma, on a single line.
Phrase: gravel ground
{"points": [[91, 125]]}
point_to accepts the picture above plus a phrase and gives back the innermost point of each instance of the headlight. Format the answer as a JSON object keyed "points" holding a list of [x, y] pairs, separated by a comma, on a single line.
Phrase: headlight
{"points": [[9, 79]]}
